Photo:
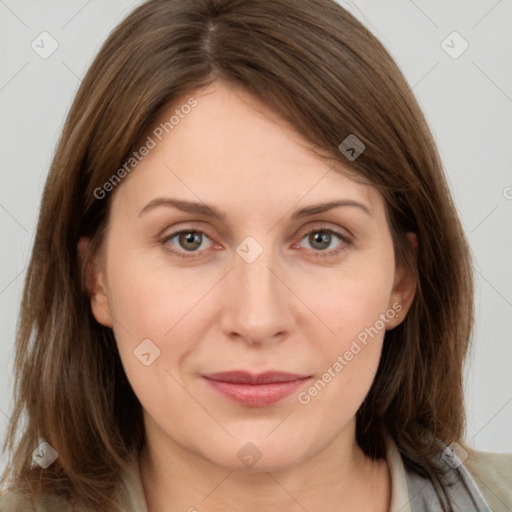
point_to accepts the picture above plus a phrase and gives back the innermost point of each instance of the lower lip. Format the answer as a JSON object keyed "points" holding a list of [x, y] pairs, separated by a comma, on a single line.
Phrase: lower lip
{"points": [[257, 395]]}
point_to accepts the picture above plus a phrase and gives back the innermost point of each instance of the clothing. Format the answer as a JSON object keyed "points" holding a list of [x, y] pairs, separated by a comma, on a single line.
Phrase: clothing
{"points": [[482, 483]]}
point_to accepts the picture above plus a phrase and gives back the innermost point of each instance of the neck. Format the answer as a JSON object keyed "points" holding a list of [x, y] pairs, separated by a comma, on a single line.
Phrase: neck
{"points": [[340, 478]]}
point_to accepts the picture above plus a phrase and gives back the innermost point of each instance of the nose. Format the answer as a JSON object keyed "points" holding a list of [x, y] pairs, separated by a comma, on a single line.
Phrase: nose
{"points": [[258, 306]]}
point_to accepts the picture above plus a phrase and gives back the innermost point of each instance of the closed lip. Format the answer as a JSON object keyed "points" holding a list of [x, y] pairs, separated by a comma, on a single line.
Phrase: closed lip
{"points": [[245, 377], [255, 389]]}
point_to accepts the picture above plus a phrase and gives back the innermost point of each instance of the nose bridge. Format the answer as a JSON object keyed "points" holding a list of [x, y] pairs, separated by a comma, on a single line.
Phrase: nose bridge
{"points": [[257, 306]]}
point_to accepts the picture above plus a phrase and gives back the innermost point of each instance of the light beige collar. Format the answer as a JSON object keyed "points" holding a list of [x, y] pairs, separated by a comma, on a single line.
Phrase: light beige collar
{"points": [[400, 500]]}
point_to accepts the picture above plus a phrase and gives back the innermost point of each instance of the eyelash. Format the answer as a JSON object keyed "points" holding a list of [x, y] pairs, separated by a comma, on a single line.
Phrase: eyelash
{"points": [[345, 242]]}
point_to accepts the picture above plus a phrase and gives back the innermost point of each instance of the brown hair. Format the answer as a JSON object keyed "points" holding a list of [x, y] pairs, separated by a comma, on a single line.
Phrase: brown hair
{"points": [[328, 76]]}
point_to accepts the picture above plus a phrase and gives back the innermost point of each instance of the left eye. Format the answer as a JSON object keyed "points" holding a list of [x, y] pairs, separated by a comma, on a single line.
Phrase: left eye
{"points": [[321, 239]]}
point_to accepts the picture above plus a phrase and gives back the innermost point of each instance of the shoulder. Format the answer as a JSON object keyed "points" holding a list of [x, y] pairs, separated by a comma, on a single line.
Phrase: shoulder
{"points": [[492, 473]]}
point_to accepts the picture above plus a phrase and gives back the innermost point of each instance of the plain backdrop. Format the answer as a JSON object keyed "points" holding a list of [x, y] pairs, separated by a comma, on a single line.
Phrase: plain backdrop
{"points": [[466, 97]]}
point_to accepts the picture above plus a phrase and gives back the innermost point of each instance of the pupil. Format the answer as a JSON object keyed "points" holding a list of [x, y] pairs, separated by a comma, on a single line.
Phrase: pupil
{"points": [[322, 237], [192, 238]]}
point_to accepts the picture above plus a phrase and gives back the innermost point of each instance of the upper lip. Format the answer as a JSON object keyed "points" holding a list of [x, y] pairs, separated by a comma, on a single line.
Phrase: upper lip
{"points": [[243, 377]]}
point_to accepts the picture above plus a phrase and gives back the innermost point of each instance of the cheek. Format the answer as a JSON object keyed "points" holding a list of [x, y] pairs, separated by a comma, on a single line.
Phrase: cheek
{"points": [[141, 304], [356, 307], [353, 299], [154, 326], [150, 300]]}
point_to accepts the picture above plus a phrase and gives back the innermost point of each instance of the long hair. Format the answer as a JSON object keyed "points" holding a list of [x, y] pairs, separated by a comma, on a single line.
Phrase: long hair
{"points": [[329, 77]]}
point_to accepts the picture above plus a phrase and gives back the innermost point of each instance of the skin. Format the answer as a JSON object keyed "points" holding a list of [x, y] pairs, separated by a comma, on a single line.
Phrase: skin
{"points": [[214, 311]]}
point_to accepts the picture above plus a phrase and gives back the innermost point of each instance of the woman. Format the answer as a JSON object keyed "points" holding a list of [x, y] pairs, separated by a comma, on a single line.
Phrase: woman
{"points": [[249, 287]]}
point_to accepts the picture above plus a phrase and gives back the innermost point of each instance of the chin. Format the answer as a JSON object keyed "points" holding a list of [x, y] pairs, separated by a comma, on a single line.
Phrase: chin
{"points": [[257, 455]]}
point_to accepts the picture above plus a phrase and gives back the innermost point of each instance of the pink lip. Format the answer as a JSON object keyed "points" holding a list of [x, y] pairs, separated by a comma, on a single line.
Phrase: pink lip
{"points": [[256, 390]]}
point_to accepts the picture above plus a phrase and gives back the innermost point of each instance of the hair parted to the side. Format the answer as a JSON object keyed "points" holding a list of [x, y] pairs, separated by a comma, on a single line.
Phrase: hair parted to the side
{"points": [[325, 73]]}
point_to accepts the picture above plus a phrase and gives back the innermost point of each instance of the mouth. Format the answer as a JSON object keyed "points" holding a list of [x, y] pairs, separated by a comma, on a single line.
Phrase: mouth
{"points": [[255, 390]]}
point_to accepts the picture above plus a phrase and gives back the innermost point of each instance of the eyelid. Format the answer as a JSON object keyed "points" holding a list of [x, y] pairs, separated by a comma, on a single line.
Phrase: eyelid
{"points": [[339, 230], [180, 227], [327, 226]]}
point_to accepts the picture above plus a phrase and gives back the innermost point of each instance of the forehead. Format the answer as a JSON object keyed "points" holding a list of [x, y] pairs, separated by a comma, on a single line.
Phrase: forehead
{"points": [[232, 148]]}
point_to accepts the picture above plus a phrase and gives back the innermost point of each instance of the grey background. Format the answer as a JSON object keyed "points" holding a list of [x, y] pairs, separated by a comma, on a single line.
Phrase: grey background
{"points": [[467, 102]]}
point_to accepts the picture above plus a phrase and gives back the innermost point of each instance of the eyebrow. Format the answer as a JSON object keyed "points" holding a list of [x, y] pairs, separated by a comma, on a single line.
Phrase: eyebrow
{"points": [[210, 211]]}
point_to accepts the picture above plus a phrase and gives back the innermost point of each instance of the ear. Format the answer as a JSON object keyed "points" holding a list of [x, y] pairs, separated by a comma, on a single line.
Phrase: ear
{"points": [[404, 288], [95, 283]]}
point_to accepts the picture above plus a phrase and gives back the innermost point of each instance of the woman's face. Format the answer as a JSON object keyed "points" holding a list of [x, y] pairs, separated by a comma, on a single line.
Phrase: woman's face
{"points": [[278, 284]]}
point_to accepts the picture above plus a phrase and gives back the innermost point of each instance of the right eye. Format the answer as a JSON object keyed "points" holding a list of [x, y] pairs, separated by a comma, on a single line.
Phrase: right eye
{"points": [[189, 240]]}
